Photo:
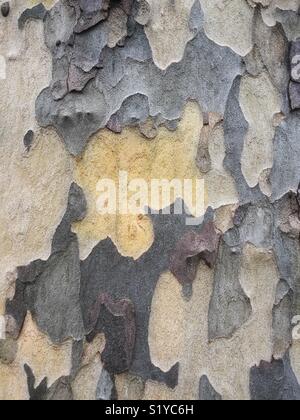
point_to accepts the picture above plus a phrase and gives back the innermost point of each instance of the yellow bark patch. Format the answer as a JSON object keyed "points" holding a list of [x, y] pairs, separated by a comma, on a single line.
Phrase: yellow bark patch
{"points": [[47, 3], [171, 155]]}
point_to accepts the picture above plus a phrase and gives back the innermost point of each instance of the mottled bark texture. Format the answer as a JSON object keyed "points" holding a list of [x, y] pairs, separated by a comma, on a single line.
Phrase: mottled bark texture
{"points": [[120, 306]]}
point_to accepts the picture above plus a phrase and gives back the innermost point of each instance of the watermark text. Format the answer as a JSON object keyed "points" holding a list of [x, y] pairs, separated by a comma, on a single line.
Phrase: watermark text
{"points": [[140, 196]]}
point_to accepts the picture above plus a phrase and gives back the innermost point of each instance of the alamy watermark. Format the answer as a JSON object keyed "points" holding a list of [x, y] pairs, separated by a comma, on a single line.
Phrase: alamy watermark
{"points": [[139, 196], [2, 67]]}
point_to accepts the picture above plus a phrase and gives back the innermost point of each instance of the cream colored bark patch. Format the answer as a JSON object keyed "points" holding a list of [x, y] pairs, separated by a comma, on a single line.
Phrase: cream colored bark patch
{"points": [[295, 358], [85, 384], [33, 184], [229, 23], [117, 23], [166, 323], [158, 392], [224, 217], [220, 186], [168, 30], [259, 101], [13, 383], [30, 208], [258, 266], [129, 387], [171, 155], [92, 349], [45, 359], [33, 189]]}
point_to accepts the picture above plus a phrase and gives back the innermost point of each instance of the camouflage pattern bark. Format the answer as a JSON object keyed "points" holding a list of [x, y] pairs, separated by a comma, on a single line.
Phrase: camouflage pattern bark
{"points": [[138, 306]]}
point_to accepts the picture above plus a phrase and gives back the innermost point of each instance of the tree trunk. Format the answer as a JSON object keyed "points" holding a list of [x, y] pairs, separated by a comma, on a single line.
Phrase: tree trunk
{"points": [[149, 183]]}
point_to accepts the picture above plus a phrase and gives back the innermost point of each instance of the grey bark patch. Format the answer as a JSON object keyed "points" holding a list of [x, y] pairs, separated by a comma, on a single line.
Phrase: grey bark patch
{"points": [[294, 91], [76, 117], [16, 310], [8, 350], [273, 50], [274, 381], [207, 391], [88, 46], [53, 298], [28, 140], [285, 174], [89, 13], [124, 72], [115, 292], [61, 390], [201, 56], [287, 305], [229, 306], [105, 271], [116, 319], [260, 224], [142, 12], [235, 130], [5, 9], [203, 159], [58, 28], [135, 112], [287, 253], [254, 63], [77, 355], [254, 223], [78, 79], [290, 22], [295, 61], [59, 85], [127, 6], [35, 393], [50, 289], [38, 12], [282, 318], [106, 389]]}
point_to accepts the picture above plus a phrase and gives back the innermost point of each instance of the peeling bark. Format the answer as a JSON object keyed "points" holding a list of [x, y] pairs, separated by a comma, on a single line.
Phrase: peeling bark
{"points": [[172, 302]]}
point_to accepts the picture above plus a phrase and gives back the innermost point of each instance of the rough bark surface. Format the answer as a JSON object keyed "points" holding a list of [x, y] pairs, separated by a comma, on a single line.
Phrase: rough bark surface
{"points": [[147, 306]]}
